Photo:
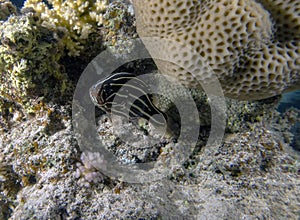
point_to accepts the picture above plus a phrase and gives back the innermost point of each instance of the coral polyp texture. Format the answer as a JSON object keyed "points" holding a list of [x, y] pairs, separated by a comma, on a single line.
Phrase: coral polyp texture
{"points": [[253, 47], [76, 19]]}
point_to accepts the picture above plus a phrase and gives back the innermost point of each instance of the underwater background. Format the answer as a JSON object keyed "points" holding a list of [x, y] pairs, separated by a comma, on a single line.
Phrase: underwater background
{"points": [[253, 174]]}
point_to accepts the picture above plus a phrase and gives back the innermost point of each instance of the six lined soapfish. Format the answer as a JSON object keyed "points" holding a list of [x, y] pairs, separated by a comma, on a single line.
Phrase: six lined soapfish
{"points": [[113, 94]]}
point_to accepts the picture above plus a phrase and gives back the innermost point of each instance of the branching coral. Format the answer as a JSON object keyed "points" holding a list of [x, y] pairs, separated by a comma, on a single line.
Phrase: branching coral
{"points": [[253, 47], [29, 56], [77, 19]]}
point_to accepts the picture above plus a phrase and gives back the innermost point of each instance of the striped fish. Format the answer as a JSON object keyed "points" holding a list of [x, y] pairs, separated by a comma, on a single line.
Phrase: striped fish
{"points": [[124, 87]]}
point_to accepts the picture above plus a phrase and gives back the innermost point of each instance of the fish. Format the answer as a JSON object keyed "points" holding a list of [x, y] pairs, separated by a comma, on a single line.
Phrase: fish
{"points": [[113, 95]]}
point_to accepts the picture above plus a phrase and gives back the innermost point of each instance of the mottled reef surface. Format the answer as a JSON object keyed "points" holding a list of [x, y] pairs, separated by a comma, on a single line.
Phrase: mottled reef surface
{"points": [[254, 173]]}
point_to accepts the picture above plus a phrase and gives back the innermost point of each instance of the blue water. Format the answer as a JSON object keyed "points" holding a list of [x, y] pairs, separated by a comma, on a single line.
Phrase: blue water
{"points": [[18, 3], [288, 100]]}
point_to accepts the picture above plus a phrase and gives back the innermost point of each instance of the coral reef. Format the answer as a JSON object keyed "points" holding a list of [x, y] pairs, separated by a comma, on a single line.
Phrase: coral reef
{"points": [[250, 167], [33, 59], [118, 27], [44, 175], [251, 47], [76, 19], [30, 152], [238, 113], [86, 171], [29, 55], [10, 182]]}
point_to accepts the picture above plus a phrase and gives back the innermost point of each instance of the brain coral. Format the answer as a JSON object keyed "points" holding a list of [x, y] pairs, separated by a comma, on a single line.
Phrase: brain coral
{"points": [[253, 47]]}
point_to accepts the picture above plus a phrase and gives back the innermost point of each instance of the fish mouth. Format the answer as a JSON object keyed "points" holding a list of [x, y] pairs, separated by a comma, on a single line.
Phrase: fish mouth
{"points": [[93, 95]]}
